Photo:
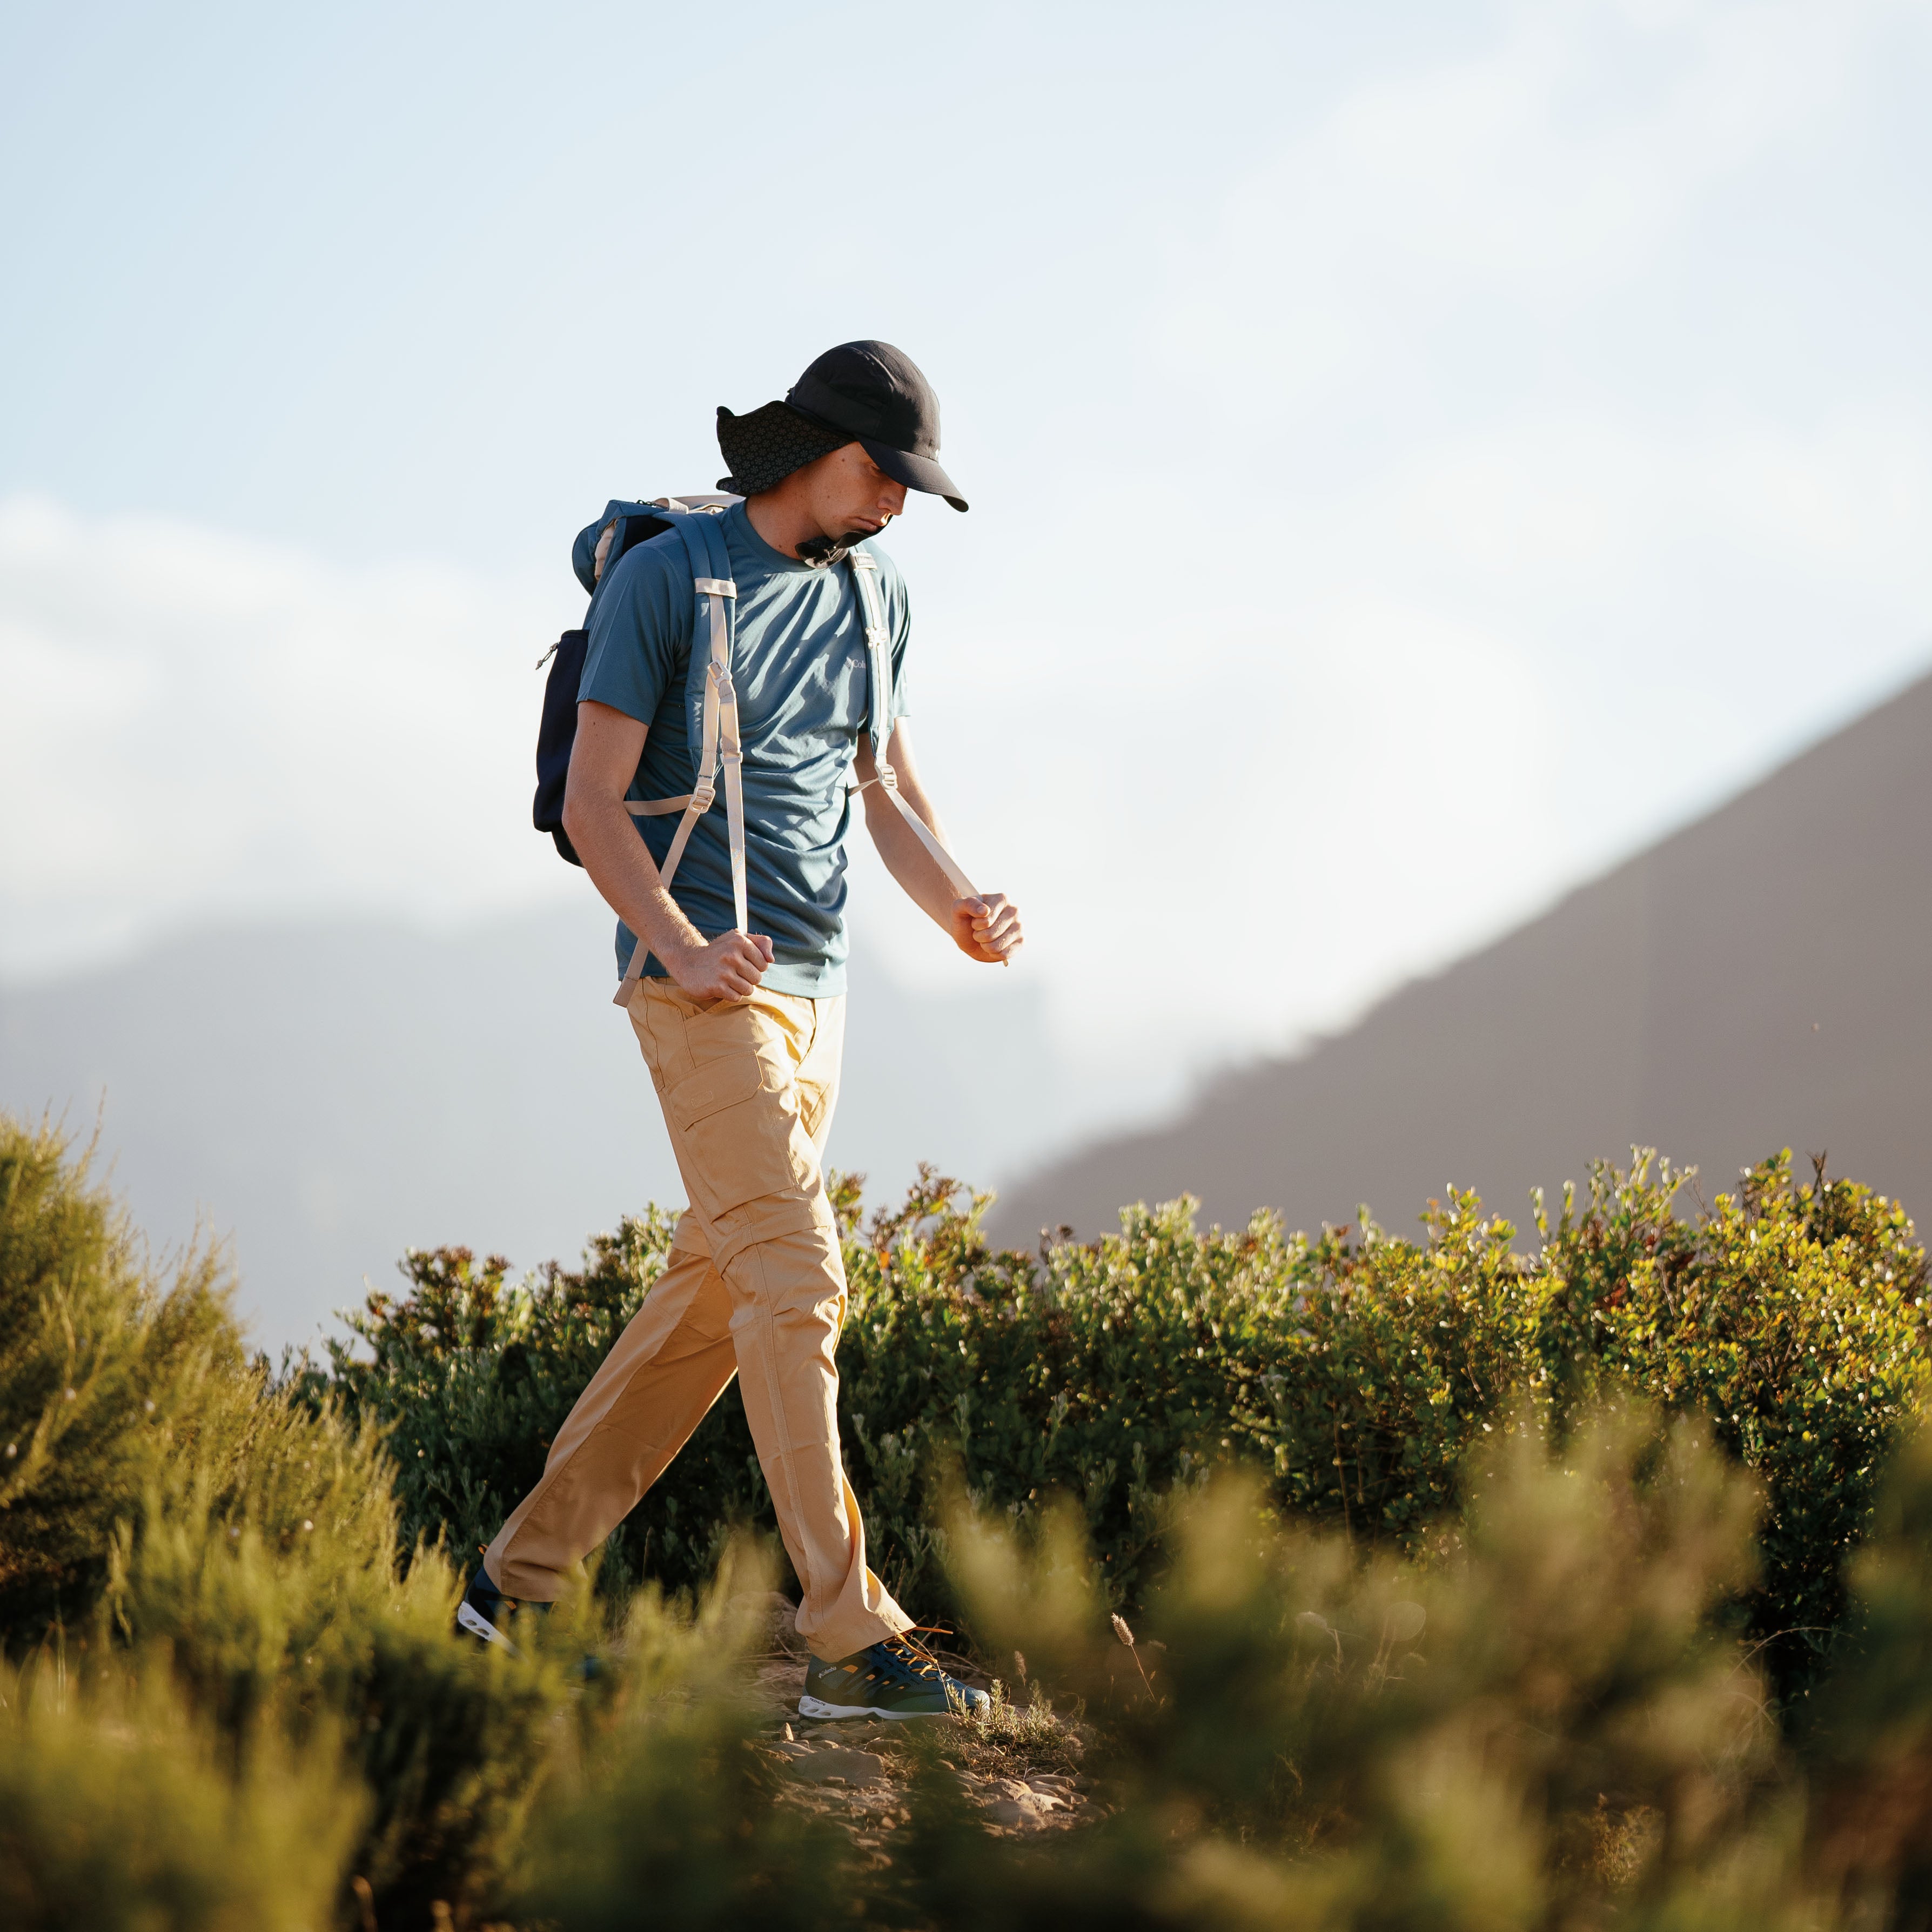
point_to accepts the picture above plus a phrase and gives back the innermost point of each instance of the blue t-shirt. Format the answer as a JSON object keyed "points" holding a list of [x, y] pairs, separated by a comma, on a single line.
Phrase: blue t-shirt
{"points": [[798, 661]]}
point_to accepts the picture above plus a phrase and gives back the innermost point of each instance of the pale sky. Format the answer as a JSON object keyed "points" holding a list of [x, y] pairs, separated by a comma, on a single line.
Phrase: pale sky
{"points": [[1417, 453]]}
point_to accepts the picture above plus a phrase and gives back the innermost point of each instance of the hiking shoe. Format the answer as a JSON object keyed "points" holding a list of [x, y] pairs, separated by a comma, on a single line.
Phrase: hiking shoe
{"points": [[485, 1611], [892, 1679]]}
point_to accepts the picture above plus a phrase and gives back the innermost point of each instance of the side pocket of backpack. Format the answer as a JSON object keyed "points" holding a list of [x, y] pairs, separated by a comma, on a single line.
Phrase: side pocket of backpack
{"points": [[556, 734]]}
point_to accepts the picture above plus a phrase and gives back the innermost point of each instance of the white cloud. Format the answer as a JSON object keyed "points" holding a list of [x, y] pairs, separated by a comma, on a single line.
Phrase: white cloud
{"points": [[195, 724], [1531, 178], [1531, 339]]}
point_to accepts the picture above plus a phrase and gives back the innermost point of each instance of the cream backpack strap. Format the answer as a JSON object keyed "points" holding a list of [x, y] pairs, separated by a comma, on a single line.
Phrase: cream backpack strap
{"points": [[720, 728], [879, 662], [718, 676]]}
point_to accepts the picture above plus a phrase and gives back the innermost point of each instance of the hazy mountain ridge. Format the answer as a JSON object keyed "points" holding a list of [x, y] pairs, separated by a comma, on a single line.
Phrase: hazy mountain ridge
{"points": [[1762, 978], [333, 1093]]}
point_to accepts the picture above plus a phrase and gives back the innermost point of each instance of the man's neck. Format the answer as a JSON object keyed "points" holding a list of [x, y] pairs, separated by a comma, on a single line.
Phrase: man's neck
{"points": [[781, 521]]}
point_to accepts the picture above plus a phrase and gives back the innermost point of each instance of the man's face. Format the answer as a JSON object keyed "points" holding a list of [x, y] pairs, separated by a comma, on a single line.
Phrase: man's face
{"points": [[849, 495]]}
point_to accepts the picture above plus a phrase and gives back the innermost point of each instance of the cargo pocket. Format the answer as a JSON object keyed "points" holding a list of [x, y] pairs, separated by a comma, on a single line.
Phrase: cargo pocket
{"points": [[734, 1132]]}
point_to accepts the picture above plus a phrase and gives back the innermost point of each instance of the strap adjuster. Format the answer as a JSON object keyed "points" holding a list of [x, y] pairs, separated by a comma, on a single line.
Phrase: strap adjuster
{"points": [[715, 586]]}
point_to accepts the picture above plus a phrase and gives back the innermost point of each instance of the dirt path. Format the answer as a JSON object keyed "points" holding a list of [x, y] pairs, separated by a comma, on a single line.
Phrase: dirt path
{"points": [[1020, 1767]]}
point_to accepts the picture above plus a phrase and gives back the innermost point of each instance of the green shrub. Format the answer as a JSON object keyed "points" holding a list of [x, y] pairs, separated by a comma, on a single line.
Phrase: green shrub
{"points": [[1545, 1726], [109, 1376], [120, 1811], [1539, 1730], [1434, 1624], [204, 1538], [665, 1811], [1794, 1318], [1355, 1370], [470, 1376], [1867, 1742], [307, 1629]]}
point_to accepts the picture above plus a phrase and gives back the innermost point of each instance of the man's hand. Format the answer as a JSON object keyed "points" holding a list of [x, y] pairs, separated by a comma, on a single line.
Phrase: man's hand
{"points": [[729, 968], [987, 928]]}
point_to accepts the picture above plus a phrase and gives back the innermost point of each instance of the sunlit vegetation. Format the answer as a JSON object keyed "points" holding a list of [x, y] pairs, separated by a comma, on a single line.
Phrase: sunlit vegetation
{"points": [[1580, 1576]]}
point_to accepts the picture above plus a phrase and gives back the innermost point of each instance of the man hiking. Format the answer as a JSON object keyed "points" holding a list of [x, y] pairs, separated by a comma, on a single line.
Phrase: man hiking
{"points": [[742, 1029]]}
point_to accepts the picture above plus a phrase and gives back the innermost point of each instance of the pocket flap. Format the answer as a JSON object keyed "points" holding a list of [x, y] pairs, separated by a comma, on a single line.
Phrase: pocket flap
{"points": [[699, 1095]]}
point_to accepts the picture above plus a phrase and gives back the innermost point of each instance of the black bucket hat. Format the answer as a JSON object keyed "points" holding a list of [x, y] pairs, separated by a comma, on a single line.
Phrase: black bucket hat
{"points": [[865, 392]]}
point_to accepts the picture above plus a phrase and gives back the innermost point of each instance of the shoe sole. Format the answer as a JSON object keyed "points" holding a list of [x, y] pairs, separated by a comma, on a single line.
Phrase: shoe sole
{"points": [[469, 1618], [817, 1708]]}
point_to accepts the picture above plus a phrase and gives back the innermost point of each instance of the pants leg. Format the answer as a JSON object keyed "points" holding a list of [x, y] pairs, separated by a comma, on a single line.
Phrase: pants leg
{"points": [[747, 1088], [756, 1282], [673, 1361]]}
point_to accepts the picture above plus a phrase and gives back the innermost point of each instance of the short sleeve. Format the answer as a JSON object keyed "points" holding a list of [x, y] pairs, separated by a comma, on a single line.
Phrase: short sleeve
{"points": [[637, 628]]}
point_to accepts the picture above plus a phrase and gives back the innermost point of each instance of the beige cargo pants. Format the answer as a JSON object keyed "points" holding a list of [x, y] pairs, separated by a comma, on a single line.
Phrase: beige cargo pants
{"points": [[754, 1286]]}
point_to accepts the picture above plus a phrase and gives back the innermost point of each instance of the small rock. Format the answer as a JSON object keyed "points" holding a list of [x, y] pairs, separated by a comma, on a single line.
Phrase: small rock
{"points": [[1009, 1812], [1010, 1791], [833, 1763]]}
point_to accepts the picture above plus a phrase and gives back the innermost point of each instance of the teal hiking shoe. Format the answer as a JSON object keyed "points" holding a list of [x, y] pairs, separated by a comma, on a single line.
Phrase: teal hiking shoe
{"points": [[485, 1612], [892, 1679]]}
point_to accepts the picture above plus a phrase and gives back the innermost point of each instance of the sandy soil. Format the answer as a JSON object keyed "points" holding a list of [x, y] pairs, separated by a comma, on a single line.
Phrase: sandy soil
{"points": [[1023, 1776]]}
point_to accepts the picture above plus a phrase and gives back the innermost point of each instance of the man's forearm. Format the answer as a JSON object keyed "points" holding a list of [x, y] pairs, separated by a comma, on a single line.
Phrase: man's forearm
{"points": [[623, 870], [911, 865]]}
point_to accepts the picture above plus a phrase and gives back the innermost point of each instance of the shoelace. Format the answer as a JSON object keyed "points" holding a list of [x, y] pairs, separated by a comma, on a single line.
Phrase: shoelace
{"points": [[890, 1660], [909, 1660]]}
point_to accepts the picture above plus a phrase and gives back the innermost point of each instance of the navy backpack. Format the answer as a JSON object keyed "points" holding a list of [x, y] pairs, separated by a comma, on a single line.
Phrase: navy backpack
{"points": [[597, 546]]}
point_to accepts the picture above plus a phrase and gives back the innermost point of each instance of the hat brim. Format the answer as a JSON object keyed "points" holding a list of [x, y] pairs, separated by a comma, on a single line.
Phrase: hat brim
{"points": [[915, 472], [765, 446]]}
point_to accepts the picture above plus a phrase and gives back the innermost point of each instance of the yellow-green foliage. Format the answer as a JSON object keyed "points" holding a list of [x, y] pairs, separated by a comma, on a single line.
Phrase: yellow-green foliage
{"points": [[109, 1375], [307, 1625], [1356, 1371], [1485, 1670], [1545, 1728], [1867, 1739], [204, 1539], [1794, 1318], [1541, 1727], [662, 1812], [122, 1810]]}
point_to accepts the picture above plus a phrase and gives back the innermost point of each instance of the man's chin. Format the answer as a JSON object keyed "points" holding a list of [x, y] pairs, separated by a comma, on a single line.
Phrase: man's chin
{"points": [[823, 550]]}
